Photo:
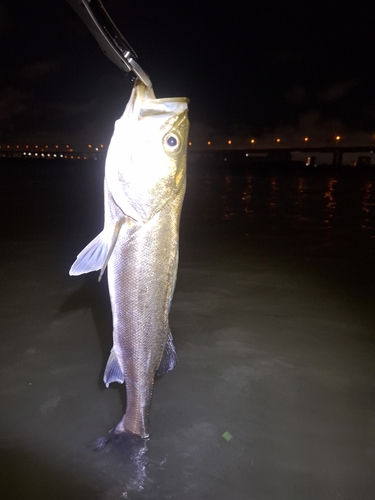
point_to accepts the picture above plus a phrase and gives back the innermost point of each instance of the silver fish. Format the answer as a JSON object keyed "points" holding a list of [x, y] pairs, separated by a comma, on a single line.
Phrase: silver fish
{"points": [[144, 187]]}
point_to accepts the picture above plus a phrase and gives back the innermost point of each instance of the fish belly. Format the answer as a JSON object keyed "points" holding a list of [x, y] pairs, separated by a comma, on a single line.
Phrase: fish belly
{"points": [[141, 279]]}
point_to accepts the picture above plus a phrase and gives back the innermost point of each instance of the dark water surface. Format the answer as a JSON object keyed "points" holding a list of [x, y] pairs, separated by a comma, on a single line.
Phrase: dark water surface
{"points": [[320, 219], [273, 320]]}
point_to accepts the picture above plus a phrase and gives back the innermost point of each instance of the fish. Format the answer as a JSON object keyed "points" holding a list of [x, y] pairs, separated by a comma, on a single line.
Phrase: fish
{"points": [[144, 188]]}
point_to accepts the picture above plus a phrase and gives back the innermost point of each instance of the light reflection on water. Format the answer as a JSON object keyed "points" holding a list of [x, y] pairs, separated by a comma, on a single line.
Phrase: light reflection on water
{"points": [[273, 196], [329, 196], [300, 199], [303, 212], [368, 204], [228, 212], [247, 196]]}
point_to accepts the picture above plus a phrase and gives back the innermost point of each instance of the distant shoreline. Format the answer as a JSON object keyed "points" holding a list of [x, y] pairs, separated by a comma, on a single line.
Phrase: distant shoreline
{"points": [[218, 162]]}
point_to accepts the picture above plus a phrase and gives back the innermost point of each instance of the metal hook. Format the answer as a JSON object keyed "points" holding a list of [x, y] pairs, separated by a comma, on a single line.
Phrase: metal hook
{"points": [[109, 38]]}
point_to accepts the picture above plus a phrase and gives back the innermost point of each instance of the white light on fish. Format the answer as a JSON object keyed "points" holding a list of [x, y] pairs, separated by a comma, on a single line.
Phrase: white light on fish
{"points": [[144, 190]]}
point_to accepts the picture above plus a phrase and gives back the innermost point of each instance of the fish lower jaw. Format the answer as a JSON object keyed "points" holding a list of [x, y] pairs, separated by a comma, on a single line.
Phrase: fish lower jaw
{"points": [[121, 428]]}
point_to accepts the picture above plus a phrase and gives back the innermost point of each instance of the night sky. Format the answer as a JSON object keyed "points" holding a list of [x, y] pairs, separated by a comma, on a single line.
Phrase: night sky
{"points": [[261, 69]]}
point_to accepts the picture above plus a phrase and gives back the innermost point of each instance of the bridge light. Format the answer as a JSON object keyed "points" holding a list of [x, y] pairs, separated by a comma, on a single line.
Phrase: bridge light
{"points": [[208, 143], [306, 139], [252, 141], [338, 137], [278, 139], [229, 142]]}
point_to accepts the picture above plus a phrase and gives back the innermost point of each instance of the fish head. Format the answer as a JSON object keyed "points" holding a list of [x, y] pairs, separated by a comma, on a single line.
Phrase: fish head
{"points": [[146, 161]]}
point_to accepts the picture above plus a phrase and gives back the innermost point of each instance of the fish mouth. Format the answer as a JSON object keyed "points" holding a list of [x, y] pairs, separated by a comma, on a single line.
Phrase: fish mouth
{"points": [[146, 94], [165, 100]]}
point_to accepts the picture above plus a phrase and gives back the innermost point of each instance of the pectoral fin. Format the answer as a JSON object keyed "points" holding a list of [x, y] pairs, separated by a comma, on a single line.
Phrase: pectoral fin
{"points": [[97, 253], [113, 371]]}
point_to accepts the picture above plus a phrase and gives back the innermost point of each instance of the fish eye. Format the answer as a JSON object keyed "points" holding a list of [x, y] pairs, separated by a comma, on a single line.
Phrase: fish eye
{"points": [[172, 143]]}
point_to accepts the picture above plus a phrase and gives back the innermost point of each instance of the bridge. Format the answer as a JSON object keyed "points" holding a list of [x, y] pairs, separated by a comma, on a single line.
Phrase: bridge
{"points": [[207, 155], [44, 154], [251, 155]]}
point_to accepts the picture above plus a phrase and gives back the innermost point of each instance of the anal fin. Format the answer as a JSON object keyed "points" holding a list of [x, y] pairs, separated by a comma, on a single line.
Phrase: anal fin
{"points": [[113, 371], [169, 359]]}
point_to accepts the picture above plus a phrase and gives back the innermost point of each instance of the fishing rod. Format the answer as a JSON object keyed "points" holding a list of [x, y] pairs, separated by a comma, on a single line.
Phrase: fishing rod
{"points": [[109, 38]]}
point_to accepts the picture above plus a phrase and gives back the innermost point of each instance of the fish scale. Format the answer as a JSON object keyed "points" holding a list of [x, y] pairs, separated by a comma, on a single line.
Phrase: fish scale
{"points": [[144, 279]]}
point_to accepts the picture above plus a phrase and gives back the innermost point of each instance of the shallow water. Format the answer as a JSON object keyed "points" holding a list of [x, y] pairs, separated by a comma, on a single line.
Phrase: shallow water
{"points": [[273, 323]]}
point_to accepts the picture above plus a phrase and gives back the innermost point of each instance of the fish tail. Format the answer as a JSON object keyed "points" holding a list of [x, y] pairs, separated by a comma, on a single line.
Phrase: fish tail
{"points": [[169, 359]]}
